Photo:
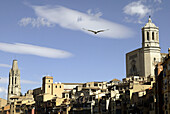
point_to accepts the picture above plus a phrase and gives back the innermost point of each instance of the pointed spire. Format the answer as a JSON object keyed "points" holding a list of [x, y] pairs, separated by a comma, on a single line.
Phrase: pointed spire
{"points": [[15, 65], [149, 20]]}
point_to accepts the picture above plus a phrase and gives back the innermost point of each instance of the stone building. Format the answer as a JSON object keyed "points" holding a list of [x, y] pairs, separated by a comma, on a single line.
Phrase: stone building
{"points": [[141, 62], [14, 87], [3, 102], [166, 84]]}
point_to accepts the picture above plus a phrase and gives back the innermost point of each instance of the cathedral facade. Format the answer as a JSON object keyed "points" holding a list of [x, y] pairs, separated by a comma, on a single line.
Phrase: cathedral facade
{"points": [[142, 61]]}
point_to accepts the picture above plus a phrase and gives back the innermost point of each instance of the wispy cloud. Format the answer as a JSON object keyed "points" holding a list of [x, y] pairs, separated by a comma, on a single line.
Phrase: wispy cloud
{"points": [[3, 90], [76, 20], [140, 9], [35, 22], [5, 65], [159, 1], [4, 80], [29, 82], [21, 48]]}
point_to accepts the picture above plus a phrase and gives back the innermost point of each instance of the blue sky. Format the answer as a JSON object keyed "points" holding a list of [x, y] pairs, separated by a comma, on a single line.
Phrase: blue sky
{"points": [[47, 37]]}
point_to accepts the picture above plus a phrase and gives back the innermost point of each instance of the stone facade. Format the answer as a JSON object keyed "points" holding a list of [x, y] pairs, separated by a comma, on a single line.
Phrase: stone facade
{"points": [[14, 87], [142, 61]]}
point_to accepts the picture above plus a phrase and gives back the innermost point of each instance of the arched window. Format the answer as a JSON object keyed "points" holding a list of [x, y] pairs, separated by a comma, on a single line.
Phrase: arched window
{"points": [[143, 36], [15, 80], [147, 35], [152, 35]]}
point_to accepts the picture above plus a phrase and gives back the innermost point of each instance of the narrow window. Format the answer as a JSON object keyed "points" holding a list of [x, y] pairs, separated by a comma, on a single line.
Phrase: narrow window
{"points": [[49, 86], [49, 80], [12, 80], [15, 80], [56, 86], [60, 86], [147, 35], [154, 59], [152, 35], [142, 36]]}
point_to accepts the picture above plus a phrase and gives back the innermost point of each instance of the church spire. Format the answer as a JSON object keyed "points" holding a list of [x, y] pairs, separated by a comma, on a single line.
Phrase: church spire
{"points": [[14, 87], [15, 65]]}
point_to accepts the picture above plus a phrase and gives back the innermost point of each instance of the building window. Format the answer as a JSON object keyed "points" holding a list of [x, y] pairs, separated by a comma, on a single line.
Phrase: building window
{"points": [[143, 36], [60, 86], [12, 79], [17, 110], [89, 85], [100, 84], [152, 35], [95, 84], [56, 86], [49, 86], [147, 35], [48, 80], [15, 80]]}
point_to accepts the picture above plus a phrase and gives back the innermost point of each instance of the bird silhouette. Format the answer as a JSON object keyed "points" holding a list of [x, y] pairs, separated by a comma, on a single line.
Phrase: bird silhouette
{"points": [[95, 32]]}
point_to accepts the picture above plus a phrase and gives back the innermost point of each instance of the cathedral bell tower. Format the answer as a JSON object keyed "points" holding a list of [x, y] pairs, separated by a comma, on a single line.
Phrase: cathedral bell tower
{"points": [[150, 46], [14, 87], [150, 35]]}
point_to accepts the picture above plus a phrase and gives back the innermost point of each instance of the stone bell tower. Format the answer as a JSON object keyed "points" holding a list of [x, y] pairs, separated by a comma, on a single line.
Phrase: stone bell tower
{"points": [[14, 87], [150, 46], [142, 61]]}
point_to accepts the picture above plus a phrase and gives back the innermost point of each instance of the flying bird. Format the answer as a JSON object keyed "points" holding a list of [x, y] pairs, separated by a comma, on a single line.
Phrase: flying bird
{"points": [[95, 32]]}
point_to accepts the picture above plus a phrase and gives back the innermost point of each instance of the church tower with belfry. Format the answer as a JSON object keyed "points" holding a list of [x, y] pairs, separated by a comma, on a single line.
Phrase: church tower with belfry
{"points": [[151, 48], [14, 87], [141, 62]]}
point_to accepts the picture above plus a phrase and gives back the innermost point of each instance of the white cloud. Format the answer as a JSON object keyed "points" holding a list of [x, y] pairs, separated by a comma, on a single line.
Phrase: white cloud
{"points": [[75, 20], [28, 49], [140, 9], [137, 9], [35, 22], [5, 65], [97, 14]]}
